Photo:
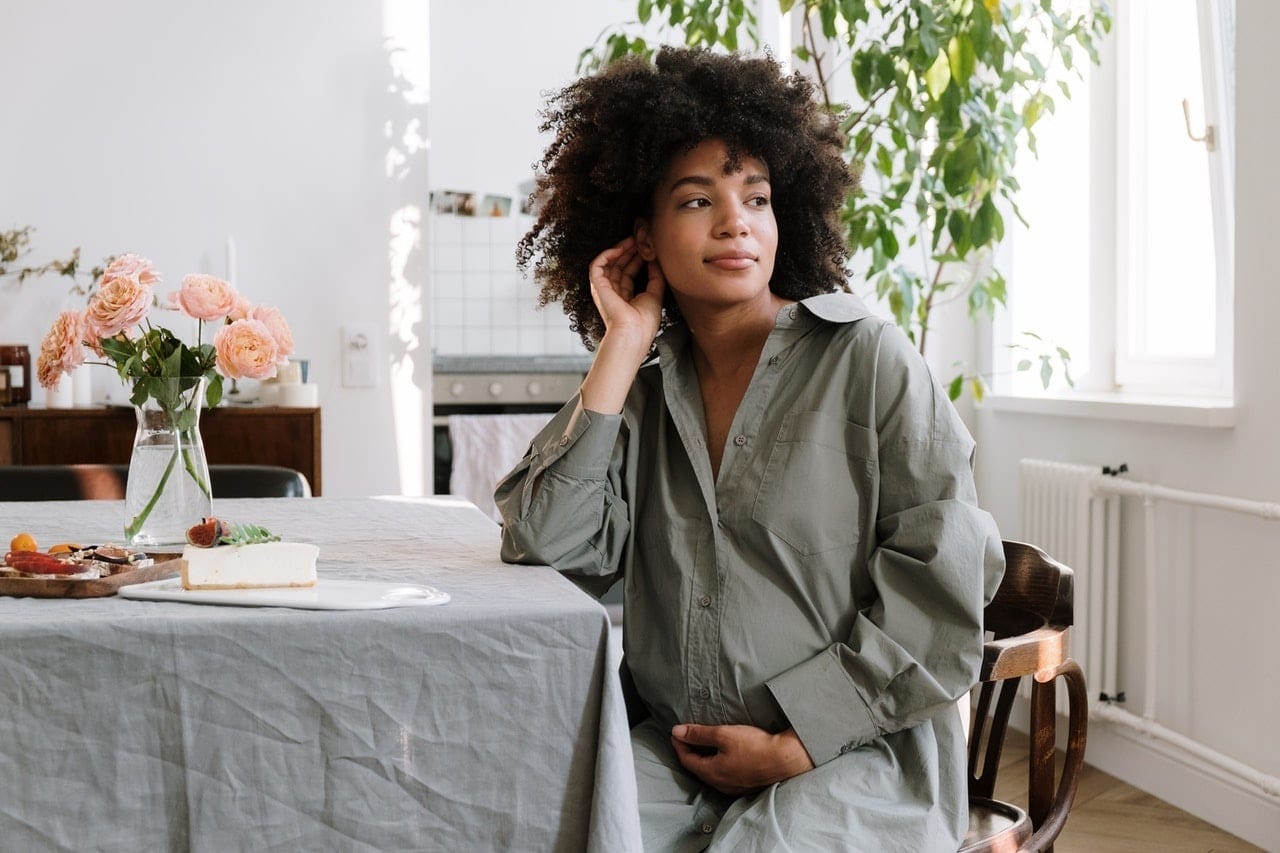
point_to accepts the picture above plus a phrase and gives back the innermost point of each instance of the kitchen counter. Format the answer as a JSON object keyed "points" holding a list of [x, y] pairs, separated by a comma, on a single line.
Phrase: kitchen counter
{"points": [[449, 364]]}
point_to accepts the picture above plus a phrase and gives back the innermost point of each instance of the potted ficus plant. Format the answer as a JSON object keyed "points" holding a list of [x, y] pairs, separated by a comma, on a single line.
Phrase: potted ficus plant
{"points": [[944, 93]]}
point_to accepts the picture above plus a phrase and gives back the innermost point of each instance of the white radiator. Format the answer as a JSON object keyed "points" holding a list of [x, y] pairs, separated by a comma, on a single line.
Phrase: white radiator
{"points": [[1073, 513], [1062, 515]]}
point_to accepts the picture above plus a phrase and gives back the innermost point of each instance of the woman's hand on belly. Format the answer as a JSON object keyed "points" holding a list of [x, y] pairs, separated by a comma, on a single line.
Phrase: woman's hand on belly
{"points": [[737, 760]]}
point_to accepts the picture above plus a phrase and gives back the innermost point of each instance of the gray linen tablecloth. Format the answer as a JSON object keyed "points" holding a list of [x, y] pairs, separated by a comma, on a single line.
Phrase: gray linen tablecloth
{"points": [[490, 723]]}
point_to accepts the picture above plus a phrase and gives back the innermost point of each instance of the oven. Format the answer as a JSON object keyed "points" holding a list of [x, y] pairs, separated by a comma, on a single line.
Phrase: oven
{"points": [[495, 385]]}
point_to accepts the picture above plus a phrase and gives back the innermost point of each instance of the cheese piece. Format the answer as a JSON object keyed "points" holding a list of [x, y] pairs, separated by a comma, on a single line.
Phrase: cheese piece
{"points": [[269, 564]]}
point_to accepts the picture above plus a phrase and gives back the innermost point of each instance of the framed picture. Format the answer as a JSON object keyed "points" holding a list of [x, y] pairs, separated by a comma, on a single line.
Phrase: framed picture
{"points": [[495, 205], [453, 202]]}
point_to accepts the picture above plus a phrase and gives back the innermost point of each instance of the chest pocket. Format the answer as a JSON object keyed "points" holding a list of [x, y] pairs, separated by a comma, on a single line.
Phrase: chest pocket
{"points": [[814, 491]]}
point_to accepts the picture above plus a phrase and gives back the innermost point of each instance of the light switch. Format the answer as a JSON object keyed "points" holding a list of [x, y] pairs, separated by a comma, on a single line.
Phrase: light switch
{"points": [[359, 356]]}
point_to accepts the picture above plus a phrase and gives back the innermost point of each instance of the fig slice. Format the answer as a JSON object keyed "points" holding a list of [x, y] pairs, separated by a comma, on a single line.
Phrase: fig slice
{"points": [[206, 534]]}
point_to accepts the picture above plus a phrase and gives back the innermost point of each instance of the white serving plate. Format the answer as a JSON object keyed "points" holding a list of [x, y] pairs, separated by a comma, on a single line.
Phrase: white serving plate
{"points": [[327, 594]]}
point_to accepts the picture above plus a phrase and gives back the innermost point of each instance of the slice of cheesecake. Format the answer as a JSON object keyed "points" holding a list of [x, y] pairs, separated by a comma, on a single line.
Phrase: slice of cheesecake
{"points": [[246, 561], [270, 564]]}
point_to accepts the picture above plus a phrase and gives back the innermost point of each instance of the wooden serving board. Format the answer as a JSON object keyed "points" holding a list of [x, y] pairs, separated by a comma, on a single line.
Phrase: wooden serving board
{"points": [[164, 566]]}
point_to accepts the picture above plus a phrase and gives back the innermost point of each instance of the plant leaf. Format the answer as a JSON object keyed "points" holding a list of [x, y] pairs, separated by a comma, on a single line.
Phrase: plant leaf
{"points": [[938, 77]]}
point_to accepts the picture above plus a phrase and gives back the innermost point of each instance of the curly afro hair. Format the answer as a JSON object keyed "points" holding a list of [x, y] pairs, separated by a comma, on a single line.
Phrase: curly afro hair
{"points": [[617, 131]]}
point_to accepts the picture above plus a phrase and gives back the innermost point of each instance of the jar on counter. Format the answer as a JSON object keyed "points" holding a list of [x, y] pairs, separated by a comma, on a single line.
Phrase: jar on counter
{"points": [[15, 359]]}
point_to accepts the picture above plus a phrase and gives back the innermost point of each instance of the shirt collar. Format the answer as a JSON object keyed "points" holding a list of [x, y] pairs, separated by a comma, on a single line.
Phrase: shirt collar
{"points": [[838, 307]]}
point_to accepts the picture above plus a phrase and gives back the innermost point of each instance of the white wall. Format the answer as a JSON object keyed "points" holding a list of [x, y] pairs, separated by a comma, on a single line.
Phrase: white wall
{"points": [[1220, 583], [161, 128]]}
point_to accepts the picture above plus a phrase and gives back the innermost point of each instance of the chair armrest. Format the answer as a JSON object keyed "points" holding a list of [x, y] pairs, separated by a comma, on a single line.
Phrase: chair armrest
{"points": [[1024, 654], [1077, 729]]}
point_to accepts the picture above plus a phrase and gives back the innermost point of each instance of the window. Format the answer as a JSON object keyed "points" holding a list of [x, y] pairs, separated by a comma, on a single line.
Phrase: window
{"points": [[1127, 263]]}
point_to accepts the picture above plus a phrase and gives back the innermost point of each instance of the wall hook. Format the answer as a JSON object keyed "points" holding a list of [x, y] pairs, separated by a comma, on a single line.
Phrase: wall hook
{"points": [[1208, 139]]}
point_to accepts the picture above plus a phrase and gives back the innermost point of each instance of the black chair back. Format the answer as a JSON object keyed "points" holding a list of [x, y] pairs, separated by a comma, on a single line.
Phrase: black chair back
{"points": [[107, 482]]}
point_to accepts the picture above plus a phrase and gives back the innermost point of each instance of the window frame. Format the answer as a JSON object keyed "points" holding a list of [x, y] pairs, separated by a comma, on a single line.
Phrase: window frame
{"points": [[1135, 370], [1115, 368]]}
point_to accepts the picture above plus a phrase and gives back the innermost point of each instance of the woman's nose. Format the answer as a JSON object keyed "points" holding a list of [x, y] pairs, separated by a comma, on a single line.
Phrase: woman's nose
{"points": [[731, 222]]}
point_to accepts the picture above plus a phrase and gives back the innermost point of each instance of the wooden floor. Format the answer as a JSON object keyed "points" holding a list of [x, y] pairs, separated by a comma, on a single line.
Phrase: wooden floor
{"points": [[1112, 817]]}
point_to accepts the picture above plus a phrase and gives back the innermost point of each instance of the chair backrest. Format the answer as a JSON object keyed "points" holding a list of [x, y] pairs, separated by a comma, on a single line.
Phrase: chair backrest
{"points": [[107, 482], [1034, 586], [1029, 618]]}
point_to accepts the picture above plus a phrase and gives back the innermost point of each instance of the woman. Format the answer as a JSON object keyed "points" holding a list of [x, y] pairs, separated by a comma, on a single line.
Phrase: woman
{"points": [[784, 492]]}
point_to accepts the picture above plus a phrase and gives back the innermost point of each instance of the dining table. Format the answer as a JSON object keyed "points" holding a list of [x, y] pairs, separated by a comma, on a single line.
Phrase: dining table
{"points": [[494, 721]]}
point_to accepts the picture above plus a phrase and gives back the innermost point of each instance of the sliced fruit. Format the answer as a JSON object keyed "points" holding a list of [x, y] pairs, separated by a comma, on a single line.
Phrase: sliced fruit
{"points": [[33, 562], [205, 534], [63, 548]]}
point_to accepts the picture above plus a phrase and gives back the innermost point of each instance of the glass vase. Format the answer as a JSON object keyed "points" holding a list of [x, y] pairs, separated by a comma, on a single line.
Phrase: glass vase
{"points": [[168, 488]]}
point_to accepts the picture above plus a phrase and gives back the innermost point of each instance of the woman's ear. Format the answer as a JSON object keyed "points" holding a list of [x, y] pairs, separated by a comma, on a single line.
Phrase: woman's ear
{"points": [[644, 240]]}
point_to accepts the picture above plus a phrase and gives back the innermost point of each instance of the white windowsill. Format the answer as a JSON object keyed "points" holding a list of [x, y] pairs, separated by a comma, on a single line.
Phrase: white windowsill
{"points": [[1213, 412]]}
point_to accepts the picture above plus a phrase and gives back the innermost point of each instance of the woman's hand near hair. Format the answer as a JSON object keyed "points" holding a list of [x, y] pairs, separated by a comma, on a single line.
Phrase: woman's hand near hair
{"points": [[631, 323]]}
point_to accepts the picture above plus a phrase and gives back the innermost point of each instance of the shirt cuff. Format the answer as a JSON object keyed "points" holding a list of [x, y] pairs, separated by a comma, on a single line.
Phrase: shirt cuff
{"points": [[824, 706], [583, 445]]}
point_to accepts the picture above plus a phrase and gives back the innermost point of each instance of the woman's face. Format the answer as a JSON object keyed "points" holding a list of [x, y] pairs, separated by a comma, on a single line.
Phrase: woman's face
{"points": [[713, 234]]}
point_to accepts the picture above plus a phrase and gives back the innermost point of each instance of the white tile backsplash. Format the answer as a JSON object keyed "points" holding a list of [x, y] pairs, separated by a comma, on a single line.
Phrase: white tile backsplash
{"points": [[481, 305]]}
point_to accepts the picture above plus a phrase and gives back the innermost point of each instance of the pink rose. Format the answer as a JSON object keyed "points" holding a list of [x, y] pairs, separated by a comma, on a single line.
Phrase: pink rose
{"points": [[132, 266], [271, 317], [246, 350], [206, 297], [242, 308], [62, 349], [120, 302]]}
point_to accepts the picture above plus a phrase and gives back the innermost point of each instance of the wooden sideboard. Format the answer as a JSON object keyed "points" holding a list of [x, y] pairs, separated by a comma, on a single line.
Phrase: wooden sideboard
{"points": [[104, 435]]}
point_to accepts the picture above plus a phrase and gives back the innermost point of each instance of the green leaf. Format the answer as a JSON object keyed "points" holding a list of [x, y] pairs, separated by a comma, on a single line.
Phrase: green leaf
{"points": [[956, 387], [1033, 109], [928, 40], [884, 161], [889, 243], [960, 58], [213, 389], [1024, 365], [862, 68], [644, 10], [140, 393], [959, 168], [984, 222], [827, 12], [978, 388], [1046, 370], [958, 228], [938, 76], [980, 29]]}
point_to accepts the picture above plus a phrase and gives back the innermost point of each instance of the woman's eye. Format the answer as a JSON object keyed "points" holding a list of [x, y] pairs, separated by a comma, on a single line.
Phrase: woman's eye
{"points": [[759, 201], [696, 202]]}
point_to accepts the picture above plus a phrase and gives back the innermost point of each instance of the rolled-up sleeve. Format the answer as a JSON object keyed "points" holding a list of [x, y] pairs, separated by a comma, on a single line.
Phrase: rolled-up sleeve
{"points": [[936, 562], [562, 505]]}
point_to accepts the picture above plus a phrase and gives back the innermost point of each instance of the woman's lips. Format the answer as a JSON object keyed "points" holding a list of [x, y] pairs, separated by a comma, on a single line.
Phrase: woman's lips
{"points": [[732, 261]]}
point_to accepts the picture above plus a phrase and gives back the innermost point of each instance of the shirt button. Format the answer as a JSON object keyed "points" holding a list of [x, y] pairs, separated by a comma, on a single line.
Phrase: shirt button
{"points": [[774, 360], [739, 440], [564, 441], [791, 313], [705, 601], [704, 693], [706, 829]]}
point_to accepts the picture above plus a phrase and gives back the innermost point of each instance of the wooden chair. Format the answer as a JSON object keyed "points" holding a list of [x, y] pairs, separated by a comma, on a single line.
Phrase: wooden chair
{"points": [[107, 482], [1030, 618]]}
